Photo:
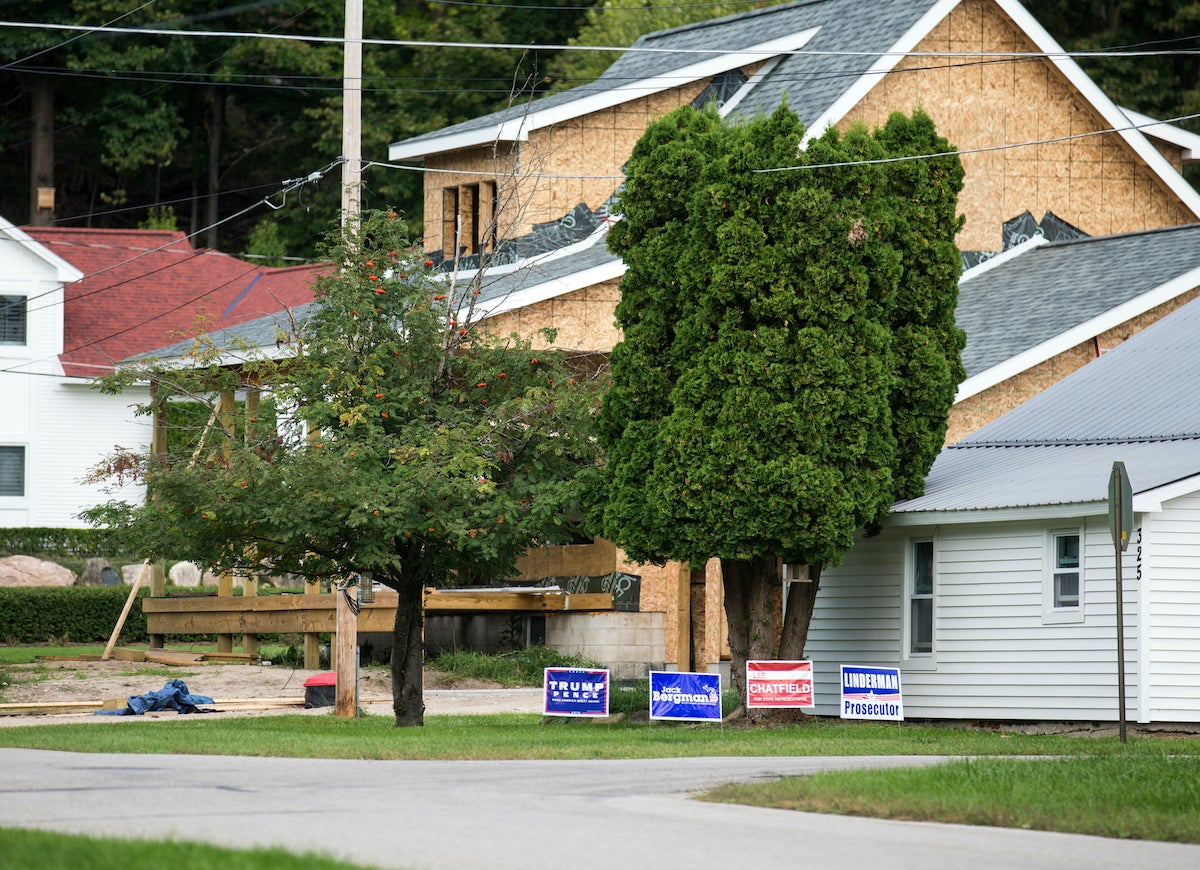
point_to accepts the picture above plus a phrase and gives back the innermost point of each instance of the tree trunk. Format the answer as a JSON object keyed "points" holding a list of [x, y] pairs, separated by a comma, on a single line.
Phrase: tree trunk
{"points": [[41, 149], [216, 128], [750, 610], [408, 654], [798, 615]]}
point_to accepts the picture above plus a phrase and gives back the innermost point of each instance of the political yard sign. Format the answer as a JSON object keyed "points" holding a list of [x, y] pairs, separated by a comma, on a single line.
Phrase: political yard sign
{"points": [[871, 693], [779, 684], [575, 692], [684, 695]]}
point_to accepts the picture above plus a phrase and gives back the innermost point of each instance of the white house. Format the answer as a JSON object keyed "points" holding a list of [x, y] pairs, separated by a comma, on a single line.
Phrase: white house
{"points": [[995, 591], [53, 427]]}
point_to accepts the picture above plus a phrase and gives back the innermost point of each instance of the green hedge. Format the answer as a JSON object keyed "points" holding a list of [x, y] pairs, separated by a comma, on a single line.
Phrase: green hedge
{"points": [[77, 614], [80, 543]]}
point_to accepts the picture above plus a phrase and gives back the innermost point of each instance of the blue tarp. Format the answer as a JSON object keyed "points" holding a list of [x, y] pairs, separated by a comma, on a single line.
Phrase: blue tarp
{"points": [[172, 696]]}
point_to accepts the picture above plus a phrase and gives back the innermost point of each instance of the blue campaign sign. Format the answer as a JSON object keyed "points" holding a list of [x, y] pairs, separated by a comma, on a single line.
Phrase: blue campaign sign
{"points": [[871, 693], [687, 696], [575, 692]]}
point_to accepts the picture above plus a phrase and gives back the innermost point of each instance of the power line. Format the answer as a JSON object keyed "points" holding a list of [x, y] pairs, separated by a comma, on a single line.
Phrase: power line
{"points": [[516, 46]]}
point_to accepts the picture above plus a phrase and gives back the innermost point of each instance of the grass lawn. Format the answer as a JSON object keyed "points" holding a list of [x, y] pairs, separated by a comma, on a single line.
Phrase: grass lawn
{"points": [[44, 850], [1149, 796]]}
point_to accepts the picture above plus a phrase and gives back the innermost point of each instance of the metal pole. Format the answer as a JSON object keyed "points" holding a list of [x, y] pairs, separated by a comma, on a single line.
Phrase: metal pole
{"points": [[1120, 645]]}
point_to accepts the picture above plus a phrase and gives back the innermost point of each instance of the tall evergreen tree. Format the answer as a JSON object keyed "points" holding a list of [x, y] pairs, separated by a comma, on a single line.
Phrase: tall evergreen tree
{"points": [[789, 353]]}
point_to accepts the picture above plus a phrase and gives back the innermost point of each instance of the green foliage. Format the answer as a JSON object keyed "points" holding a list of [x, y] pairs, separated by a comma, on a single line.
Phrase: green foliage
{"points": [[80, 614], [53, 542], [789, 351], [525, 667], [418, 445]]}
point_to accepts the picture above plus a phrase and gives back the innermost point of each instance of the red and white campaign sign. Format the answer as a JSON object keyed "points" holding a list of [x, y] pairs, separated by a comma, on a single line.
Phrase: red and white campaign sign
{"points": [[779, 684]]}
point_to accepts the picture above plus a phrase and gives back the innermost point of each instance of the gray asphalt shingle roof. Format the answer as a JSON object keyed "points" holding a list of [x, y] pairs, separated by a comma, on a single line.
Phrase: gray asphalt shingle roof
{"points": [[1043, 292], [1139, 404], [810, 83]]}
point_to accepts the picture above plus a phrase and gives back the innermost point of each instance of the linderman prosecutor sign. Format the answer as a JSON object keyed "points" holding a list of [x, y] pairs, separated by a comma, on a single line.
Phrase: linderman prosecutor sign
{"points": [[871, 693]]}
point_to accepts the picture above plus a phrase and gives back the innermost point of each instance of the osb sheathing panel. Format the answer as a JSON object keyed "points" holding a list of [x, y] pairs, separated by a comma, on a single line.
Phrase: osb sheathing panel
{"points": [[659, 589], [584, 319], [576, 161], [977, 411], [1097, 183]]}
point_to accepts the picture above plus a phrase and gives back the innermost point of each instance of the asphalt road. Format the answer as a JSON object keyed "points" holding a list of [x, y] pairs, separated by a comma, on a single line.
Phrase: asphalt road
{"points": [[515, 815]]}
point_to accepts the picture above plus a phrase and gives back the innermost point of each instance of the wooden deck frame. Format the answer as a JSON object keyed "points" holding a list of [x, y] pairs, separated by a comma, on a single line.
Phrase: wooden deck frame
{"points": [[312, 614]]}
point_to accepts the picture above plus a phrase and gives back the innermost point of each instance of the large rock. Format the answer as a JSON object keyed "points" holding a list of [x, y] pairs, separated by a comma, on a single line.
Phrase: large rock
{"points": [[185, 574], [129, 574], [30, 571]]}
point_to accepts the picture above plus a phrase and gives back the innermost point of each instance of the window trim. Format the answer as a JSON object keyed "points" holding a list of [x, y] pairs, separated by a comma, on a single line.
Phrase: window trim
{"points": [[24, 454], [909, 655], [1052, 611], [20, 303]]}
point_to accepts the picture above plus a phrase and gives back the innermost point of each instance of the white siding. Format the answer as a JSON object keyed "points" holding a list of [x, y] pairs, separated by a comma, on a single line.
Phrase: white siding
{"points": [[77, 426], [65, 426], [1170, 542], [996, 655]]}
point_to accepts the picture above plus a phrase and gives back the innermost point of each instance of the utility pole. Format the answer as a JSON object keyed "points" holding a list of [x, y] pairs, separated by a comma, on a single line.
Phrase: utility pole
{"points": [[352, 113], [346, 645]]}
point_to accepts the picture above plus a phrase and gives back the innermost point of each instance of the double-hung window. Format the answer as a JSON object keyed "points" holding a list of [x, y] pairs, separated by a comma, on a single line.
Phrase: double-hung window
{"points": [[12, 471], [12, 320], [1064, 582], [920, 597], [1066, 570]]}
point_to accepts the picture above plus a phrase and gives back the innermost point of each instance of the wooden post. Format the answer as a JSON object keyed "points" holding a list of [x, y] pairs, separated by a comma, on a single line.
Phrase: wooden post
{"points": [[683, 618], [225, 417], [312, 640], [116, 632], [346, 643]]}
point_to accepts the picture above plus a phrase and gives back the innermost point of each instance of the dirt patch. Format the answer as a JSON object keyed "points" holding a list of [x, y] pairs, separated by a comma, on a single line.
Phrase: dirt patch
{"points": [[51, 682]]}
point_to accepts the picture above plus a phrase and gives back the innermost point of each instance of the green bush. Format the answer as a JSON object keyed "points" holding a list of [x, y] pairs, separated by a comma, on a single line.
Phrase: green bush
{"points": [[77, 543], [77, 614]]}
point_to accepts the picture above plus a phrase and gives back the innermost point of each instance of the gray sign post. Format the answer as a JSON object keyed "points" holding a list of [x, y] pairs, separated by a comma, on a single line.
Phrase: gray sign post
{"points": [[1120, 522]]}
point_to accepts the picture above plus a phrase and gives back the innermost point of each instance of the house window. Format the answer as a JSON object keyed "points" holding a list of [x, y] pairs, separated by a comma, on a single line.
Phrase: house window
{"points": [[12, 320], [920, 598], [12, 471], [1065, 582]]}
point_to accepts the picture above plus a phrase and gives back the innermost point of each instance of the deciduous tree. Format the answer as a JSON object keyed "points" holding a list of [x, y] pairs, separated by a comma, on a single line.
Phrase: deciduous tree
{"points": [[420, 448]]}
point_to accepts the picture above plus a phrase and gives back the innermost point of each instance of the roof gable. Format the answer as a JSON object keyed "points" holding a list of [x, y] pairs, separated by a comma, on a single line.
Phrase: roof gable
{"points": [[670, 58], [63, 271]]}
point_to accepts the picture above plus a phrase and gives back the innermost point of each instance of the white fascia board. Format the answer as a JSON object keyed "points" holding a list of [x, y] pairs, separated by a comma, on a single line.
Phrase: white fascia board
{"points": [[884, 64], [1002, 258], [1169, 133], [994, 515], [518, 127], [1151, 501], [1088, 329], [1107, 109], [63, 271], [551, 289]]}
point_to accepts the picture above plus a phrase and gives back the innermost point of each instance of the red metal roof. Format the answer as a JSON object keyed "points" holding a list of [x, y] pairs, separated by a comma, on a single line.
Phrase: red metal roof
{"points": [[144, 289]]}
